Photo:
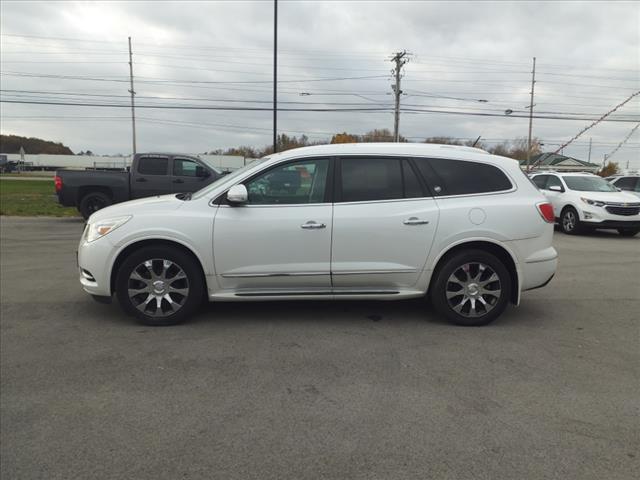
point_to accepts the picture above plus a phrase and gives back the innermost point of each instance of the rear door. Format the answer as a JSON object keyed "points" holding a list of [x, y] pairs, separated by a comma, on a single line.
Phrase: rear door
{"points": [[187, 175], [150, 176], [384, 221]]}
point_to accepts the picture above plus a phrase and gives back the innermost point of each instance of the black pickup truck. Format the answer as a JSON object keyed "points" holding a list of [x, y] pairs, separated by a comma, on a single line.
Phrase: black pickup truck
{"points": [[150, 174]]}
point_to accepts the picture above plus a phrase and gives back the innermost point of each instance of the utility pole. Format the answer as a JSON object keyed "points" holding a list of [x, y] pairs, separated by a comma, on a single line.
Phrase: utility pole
{"points": [[533, 84], [132, 92], [590, 138], [400, 58], [275, 76]]}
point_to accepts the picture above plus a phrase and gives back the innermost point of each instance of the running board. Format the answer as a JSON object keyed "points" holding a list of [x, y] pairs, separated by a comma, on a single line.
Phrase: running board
{"points": [[316, 293]]}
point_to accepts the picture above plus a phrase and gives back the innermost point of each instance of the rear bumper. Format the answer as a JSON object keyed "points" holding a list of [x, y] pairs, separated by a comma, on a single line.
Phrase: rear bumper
{"points": [[539, 269]]}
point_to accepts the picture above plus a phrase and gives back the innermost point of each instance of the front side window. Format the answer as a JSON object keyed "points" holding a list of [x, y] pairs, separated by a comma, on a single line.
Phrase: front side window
{"points": [[153, 165], [554, 182], [540, 181], [460, 177], [588, 184], [292, 183], [184, 168]]}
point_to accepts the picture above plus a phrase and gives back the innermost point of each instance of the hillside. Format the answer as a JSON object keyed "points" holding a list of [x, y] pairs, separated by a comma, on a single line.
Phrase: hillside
{"points": [[32, 145]]}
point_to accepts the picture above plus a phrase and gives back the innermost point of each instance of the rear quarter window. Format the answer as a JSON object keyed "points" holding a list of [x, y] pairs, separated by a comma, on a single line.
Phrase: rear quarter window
{"points": [[462, 177]]}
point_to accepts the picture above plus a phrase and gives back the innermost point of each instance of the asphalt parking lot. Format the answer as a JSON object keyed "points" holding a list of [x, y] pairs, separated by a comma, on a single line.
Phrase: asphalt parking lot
{"points": [[361, 390]]}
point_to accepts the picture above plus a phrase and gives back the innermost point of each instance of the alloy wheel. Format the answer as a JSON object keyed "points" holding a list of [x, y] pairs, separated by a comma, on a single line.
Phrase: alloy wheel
{"points": [[473, 289], [158, 287], [569, 221]]}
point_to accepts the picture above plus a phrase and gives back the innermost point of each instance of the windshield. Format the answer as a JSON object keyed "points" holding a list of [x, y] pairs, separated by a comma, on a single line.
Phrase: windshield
{"points": [[226, 178], [589, 184]]}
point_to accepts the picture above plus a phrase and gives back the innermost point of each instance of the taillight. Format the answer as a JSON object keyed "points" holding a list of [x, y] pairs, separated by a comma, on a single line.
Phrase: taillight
{"points": [[58, 183], [546, 211]]}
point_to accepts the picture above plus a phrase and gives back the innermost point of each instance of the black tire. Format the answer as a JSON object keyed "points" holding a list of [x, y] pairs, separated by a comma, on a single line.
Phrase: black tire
{"points": [[628, 232], [193, 283], [92, 202], [570, 221], [454, 264]]}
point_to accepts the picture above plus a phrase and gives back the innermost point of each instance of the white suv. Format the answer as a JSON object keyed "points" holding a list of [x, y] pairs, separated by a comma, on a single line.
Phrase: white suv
{"points": [[583, 200], [352, 221], [626, 183]]}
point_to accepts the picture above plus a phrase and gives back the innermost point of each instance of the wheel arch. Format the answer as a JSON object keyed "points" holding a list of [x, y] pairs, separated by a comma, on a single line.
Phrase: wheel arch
{"points": [[153, 242], [492, 247]]}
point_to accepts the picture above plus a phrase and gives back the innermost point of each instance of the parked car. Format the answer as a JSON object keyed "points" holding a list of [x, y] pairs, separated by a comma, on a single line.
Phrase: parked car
{"points": [[366, 221], [627, 183], [150, 174], [584, 201]]}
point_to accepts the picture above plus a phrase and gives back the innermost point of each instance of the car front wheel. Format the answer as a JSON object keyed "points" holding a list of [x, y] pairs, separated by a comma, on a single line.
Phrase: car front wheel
{"points": [[160, 285], [570, 221], [471, 288]]}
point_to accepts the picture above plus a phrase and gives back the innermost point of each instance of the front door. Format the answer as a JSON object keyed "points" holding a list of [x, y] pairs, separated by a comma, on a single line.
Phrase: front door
{"points": [[187, 175], [280, 240], [384, 222]]}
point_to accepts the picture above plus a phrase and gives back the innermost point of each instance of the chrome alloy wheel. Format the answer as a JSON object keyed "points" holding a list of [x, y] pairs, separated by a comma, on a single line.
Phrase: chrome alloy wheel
{"points": [[569, 221], [158, 287], [473, 289]]}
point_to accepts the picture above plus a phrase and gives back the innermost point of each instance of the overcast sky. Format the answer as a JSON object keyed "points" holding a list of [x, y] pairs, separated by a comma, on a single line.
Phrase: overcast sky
{"points": [[588, 60]]}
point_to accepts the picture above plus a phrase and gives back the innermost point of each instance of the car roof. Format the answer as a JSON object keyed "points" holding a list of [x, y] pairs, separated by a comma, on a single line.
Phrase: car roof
{"points": [[389, 148]]}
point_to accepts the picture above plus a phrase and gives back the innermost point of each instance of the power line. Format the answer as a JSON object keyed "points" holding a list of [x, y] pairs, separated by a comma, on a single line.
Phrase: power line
{"points": [[608, 156], [597, 121]]}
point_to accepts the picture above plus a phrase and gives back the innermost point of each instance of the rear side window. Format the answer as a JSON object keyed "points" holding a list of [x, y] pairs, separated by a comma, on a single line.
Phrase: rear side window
{"points": [[153, 165], [366, 179], [460, 177]]}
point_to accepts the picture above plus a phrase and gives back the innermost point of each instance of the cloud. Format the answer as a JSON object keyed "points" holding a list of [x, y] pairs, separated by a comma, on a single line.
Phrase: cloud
{"points": [[587, 62]]}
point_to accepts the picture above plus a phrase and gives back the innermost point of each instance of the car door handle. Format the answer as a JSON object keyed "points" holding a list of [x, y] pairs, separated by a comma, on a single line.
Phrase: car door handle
{"points": [[178, 180], [139, 179], [311, 225], [415, 221]]}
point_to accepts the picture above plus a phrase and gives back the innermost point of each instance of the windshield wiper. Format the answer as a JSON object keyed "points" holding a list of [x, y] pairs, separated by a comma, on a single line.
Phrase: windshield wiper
{"points": [[184, 196]]}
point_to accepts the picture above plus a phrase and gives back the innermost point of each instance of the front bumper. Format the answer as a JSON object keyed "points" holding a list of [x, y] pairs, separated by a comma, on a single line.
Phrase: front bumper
{"points": [[94, 260], [612, 224]]}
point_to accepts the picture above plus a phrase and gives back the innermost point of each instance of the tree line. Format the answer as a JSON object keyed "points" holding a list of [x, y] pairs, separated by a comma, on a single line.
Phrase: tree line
{"points": [[516, 149], [32, 145]]}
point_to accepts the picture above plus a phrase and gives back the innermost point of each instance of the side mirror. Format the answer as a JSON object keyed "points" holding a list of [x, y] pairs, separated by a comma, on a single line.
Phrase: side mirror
{"points": [[556, 188], [237, 194], [202, 172]]}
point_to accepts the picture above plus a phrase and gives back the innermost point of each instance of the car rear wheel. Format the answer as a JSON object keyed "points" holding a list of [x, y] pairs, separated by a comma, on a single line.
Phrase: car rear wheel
{"points": [[92, 202], [160, 285], [570, 221], [471, 288], [628, 232]]}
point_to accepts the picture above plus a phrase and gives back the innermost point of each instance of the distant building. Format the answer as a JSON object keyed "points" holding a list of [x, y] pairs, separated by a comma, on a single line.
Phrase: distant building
{"points": [[559, 163]]}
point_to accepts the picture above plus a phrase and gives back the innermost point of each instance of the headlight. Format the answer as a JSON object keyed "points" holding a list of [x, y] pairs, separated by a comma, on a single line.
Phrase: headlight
{"points": [[102, 227], [595, 203]]}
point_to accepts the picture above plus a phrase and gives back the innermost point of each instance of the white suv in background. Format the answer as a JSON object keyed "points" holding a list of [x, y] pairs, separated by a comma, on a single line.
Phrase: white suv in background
{"points": [[626, 183], [583, 200], [353, 221]]}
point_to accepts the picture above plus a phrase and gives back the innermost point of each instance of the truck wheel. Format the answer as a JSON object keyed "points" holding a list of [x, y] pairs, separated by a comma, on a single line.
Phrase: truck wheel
{"points": [[471, 288], [92, 202], [160, 285]]}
